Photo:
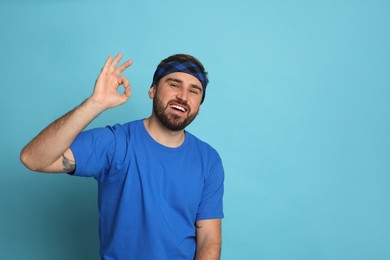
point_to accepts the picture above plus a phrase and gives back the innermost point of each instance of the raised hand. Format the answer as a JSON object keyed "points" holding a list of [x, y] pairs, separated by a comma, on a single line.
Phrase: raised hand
{"points": [[48, 150], [106, 87]]}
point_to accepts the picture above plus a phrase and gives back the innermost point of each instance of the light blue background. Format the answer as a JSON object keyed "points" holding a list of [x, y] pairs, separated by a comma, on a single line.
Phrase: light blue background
{"points": [[298, 107]]}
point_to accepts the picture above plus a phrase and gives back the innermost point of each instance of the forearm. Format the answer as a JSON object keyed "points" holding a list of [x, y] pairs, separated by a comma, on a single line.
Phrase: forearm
{"points": [[44, 151], [208, 250], [55, 139]]}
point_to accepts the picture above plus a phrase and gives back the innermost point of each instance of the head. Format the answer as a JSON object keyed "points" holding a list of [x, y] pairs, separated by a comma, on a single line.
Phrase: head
{"points": [[178, 89]]}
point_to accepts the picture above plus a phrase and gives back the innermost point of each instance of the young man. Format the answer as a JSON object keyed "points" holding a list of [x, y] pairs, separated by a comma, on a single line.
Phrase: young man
{"points": [[160, 188]]}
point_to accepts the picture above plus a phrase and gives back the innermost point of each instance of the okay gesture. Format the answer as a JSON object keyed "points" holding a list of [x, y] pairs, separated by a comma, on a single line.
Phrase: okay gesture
{"points": [[106, 87]]}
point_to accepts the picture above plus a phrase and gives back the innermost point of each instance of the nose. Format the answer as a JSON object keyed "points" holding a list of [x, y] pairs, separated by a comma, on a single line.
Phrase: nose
{"points": [[182, 95]]}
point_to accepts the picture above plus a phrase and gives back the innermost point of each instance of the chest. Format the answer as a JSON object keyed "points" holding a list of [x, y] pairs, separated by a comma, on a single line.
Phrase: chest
{"points": [[172, 179]]}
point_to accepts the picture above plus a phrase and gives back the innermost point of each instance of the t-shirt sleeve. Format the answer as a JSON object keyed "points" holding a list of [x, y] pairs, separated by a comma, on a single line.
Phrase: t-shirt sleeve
{"points": [[93, 151], [211, 206]]}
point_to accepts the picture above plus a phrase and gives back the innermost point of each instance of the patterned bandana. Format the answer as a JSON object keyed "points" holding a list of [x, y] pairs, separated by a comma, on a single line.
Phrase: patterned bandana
{"points": [[181, 66]]}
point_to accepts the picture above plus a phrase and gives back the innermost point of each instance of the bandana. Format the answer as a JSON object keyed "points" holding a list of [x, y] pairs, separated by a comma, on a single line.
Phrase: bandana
{"points": [[181, 66]]}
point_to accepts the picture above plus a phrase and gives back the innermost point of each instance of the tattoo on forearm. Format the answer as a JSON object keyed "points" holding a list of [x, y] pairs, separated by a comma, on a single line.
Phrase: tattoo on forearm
{"points": [[69, 165]]}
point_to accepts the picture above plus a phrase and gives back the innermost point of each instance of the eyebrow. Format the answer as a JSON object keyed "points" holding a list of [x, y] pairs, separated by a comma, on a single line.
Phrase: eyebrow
{"points": [[175, 80], [180, 81]]}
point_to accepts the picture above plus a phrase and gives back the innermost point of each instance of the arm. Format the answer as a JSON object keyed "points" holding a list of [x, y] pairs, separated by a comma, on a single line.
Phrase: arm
{"points": [[49, 150], [208, 239]]}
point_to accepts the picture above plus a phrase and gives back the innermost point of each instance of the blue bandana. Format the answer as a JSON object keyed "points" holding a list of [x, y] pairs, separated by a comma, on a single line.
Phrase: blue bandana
{"points": [[181, 66]]}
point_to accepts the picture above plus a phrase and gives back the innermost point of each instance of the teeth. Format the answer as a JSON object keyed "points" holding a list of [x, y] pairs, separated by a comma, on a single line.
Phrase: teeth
{"points": [[179, 108]]}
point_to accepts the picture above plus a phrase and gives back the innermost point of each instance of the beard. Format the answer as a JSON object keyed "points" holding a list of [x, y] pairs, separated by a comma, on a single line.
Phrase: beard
{"points": [[171, 121]]}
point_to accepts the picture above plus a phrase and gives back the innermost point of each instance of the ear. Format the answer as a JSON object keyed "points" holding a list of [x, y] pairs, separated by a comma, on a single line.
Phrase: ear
{"points": [[152, 91]]}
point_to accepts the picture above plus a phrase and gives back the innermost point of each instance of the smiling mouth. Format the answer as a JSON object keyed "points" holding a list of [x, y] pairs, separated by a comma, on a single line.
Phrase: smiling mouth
{"points": [[178, 107]]}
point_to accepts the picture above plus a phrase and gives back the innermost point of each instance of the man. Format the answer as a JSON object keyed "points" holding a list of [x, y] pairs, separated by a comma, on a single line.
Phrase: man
{"points": [[160, 188]]}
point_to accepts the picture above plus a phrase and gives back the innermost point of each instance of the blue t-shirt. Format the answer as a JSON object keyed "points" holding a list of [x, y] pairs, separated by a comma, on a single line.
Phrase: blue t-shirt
{"points": [[149, 195]]}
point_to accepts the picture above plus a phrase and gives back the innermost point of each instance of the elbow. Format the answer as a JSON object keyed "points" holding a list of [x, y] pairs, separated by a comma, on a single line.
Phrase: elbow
{"points": [[25, 159]]}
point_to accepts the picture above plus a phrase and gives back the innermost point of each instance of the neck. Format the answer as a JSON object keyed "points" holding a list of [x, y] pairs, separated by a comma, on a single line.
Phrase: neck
{"points": [[163, 135]]}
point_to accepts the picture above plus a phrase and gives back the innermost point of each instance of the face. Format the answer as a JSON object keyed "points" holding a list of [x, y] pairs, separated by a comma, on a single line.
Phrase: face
{"points": [[176, 100]]}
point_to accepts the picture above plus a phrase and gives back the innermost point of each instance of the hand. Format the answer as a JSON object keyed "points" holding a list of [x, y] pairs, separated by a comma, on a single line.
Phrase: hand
{"points": [[106, 87]]}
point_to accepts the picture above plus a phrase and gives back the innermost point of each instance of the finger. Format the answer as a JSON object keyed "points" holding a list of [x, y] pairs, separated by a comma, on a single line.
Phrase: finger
{"points": [[126, 84], [117, 72], [124, 66], [107, 63], [127, 92], [123, 81], [115, 61]]}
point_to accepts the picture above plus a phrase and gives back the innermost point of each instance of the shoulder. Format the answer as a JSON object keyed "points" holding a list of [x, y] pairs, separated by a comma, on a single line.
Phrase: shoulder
{"points": [[206, 150], [129, 126], [124, 129], [108, 135]]}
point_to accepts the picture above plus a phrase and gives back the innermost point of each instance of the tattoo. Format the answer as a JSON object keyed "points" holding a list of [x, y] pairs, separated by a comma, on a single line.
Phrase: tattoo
{"points": [[69, 165]]}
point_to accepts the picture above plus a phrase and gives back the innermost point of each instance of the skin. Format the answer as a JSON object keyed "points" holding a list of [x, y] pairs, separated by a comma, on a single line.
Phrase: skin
{"points": [[49, 151], [208, 239], [45, 153], [179, 89]]}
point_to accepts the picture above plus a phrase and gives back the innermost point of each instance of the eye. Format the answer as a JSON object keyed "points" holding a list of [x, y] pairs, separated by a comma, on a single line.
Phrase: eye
{"points": [[195, 91], [174, 85]]}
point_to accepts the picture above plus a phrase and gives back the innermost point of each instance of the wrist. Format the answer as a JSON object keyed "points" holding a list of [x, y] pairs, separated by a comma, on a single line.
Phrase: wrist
{"points": [[93, 106]]}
